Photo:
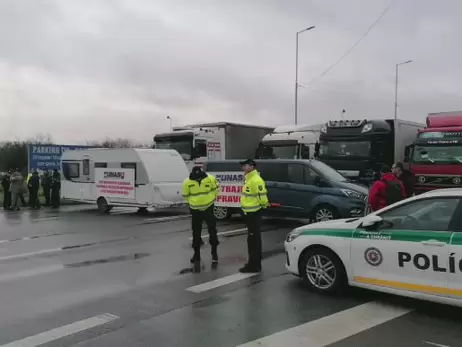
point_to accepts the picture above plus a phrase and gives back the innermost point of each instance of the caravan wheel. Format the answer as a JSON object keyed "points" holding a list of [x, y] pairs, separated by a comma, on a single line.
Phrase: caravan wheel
{"points": [[103, 206], [221, 213]]}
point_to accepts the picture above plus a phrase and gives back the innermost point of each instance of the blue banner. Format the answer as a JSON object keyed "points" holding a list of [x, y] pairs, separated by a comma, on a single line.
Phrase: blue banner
{"points": [[48, 157]]}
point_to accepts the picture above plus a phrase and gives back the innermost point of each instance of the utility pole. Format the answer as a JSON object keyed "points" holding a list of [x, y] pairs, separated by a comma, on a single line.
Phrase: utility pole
{"points": [[296, 71], [170, 119], [396, 85]]}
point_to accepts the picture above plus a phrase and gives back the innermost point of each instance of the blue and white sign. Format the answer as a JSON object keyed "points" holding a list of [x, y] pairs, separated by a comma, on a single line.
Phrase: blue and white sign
{"points": [[48, 157]]}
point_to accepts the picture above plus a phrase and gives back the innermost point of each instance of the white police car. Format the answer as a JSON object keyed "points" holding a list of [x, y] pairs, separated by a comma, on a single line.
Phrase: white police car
{"points": [[411, 248]]}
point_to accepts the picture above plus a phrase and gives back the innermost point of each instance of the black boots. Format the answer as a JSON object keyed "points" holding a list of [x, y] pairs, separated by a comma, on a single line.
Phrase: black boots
{"points": [[214, 255], [197, 256]]}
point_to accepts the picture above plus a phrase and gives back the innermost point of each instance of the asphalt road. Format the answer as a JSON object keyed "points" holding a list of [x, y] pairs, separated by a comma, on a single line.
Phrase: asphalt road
{"points": [[72, 277]]}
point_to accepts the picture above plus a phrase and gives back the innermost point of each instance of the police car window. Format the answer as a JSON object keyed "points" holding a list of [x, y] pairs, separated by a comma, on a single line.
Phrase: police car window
{"points": [[427, 214]]}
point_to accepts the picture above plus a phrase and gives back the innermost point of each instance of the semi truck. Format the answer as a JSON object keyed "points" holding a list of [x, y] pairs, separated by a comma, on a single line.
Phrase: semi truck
{"points": [[197, 143], [358, 148], [435, 157], [290, 142]]}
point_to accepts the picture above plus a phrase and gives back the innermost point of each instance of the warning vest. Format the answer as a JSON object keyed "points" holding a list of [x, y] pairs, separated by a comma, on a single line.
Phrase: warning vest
{"points": [[200, 196], [254, 195]]}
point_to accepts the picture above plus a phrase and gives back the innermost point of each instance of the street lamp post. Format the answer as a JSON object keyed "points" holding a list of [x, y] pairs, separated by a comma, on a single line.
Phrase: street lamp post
{"points": [[170, 119], [396, 85], [296, 71]]}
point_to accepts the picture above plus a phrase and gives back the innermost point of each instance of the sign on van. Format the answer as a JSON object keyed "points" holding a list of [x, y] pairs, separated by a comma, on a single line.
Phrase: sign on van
{"points": [[231, 184], [115, 183]]}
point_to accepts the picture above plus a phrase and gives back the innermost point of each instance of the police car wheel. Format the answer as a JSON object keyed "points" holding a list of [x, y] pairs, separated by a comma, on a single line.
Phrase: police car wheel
{"points": [[103, 206], [221, 213], [324, 213], [323, 271]]}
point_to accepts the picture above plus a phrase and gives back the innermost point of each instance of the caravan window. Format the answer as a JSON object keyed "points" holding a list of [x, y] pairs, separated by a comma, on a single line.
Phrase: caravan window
{"points": [[71, 170], [100, 165], [129, 166], [86, 167]]}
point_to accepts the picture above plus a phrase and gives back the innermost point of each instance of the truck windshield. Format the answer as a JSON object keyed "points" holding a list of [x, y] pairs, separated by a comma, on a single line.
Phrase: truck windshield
{"points": [[285, 152], [344, 148], [183, 145], [437, 154]]}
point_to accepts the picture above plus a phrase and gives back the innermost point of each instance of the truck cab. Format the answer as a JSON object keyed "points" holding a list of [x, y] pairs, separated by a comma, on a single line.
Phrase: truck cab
{"points": [[435, 158], [194, 145], [290, 142]]}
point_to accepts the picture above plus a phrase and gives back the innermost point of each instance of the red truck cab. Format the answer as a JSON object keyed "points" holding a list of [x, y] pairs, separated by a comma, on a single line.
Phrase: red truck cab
{"points": [[436, 156]]}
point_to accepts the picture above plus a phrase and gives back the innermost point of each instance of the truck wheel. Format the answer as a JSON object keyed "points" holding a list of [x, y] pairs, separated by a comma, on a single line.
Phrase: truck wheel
{"points": [[324, 213], [103, 206], [323, 270], [221, 213]]}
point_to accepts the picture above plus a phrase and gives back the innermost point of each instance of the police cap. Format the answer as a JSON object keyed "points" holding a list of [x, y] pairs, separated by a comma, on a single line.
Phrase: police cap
{"points": [[248, 162]]}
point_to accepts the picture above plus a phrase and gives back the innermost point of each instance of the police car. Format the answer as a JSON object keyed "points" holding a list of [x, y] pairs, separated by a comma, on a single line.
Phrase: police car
{"points": [[411, 248]]}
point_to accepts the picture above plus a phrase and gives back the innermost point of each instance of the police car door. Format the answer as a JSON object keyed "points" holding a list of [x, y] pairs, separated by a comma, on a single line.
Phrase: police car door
{"points": [[409, 250], [455, 260]]}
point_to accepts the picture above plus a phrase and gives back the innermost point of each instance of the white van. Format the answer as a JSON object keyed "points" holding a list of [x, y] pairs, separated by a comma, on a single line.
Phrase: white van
{"points": [[129, 177]]}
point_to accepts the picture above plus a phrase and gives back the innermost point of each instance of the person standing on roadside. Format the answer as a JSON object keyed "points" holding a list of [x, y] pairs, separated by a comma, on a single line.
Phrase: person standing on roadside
{"points": [[386, 191], [16, 189], [254, 199], [406, 177], [47, 182], [55, 188], [6, 190], [34, 185], [200, 191]]}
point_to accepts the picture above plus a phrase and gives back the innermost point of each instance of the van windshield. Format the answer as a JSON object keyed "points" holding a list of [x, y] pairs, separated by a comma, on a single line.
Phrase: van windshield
{"points": [[327, 171]]}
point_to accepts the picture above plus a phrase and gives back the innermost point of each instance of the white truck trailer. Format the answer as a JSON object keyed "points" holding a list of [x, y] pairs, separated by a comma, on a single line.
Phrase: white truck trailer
{"points": [[140, 178], [290, 142], [213, 141]]}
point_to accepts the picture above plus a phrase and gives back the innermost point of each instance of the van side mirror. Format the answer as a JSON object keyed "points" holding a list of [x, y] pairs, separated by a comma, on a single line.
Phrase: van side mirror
{"points": [[371, 221]]}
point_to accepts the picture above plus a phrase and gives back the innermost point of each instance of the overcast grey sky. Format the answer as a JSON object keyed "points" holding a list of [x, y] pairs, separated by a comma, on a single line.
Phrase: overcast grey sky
{"points": [[87, 69]]}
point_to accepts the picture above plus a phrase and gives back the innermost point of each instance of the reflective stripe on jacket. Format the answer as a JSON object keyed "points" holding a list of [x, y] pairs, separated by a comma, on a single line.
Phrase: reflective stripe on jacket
{"points": [[200, 196], [254, 195]]}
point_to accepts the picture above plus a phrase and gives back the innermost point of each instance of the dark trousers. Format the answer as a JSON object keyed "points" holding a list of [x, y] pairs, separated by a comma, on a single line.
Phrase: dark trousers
{"points": [[197, 218], [46, 193], [6, 199], [253, 222], [55, 199], [34, 200]]}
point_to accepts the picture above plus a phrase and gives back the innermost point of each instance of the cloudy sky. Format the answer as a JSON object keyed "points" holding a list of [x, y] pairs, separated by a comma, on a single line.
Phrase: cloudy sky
{"points": [[88, 69]]}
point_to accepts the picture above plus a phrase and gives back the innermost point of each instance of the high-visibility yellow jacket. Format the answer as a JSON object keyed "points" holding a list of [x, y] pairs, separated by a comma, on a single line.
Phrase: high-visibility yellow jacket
{"points": [[200, 196], [254, 195], [28, 177]]}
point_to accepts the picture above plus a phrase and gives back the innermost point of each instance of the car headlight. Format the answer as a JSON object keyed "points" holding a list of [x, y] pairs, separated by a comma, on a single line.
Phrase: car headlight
{"points": [[352, 194], [366, 128], [293, 234]]}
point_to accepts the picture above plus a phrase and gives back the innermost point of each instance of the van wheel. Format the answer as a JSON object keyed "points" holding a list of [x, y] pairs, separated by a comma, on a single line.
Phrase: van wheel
{"points": [[324, 213], [142, 210], [323, 271], [221, 213], [103, 206]]}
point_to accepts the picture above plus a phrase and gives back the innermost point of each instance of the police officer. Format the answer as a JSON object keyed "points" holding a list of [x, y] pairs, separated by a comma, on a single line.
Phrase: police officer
{"points": [[46, 186], [55, 188], [200, 191], [34, 185], [6, 190], [253, 200]]}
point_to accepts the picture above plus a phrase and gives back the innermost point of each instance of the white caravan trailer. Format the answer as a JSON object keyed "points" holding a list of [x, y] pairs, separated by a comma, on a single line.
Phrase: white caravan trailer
{"points": [[141, 178]]}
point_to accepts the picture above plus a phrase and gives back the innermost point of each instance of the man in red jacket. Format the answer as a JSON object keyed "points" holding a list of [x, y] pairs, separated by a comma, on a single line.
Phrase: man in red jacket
{"points": [[386, 191]]}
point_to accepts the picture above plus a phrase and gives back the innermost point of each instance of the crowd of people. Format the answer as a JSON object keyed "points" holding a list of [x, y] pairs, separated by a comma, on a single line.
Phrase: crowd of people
{"points": [[15, 187], [395, 184]]}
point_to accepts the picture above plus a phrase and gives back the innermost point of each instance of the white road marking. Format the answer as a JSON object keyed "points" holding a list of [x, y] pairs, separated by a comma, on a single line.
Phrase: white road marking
{"points": [[219, 282], [333, 328], [31, 272], [229, 232], [435, 344], [25, 255], [63, 331]]}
